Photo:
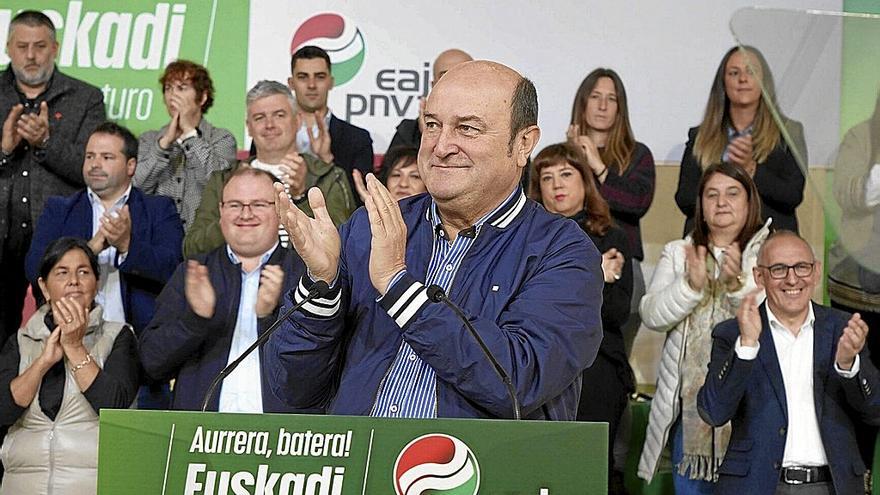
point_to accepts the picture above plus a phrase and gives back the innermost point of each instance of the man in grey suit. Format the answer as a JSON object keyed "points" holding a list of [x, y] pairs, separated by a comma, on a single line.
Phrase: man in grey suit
{"points": [[47, 118]]}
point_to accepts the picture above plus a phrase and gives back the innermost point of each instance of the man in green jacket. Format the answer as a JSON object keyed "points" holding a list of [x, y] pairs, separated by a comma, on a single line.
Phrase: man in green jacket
{"points": [[272, 121]]}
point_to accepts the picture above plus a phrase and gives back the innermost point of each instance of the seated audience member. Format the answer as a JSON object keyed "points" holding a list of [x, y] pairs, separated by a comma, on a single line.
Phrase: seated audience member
{"points": [[562, 182], [64, 366], [176, 160], [216, 304], [399, 173], [272, 121], [699, 281], [529, 281], [409, 131], [622, 166], [793, 378], [738, 128]]}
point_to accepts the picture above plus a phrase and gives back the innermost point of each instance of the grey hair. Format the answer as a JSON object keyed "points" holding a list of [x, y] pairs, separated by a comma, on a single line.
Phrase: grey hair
{"points": [[31, 18], [266, 88]]}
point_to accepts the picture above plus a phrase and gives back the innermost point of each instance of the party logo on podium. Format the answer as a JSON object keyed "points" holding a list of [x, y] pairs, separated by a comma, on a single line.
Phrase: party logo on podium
{"points": [[436, 464], [339, 37]]}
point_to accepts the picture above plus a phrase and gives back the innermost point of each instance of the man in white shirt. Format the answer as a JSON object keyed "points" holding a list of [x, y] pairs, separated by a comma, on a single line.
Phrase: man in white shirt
{"points": [[217, 303], [792, 376]]}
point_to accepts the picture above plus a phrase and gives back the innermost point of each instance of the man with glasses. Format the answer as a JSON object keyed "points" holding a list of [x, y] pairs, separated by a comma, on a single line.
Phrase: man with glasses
{"points": [[216, 304], [794, 377]]}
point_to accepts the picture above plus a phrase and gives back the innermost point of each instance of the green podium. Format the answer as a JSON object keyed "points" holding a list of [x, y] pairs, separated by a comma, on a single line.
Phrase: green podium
{"points": [[188, 453]]}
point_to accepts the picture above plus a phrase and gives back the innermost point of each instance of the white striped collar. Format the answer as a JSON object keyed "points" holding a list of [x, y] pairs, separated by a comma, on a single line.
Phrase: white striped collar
{"points": [[500, 217]]}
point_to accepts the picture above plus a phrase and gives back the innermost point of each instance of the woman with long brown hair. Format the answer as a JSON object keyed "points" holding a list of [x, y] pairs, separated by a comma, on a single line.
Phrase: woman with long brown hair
{"points": [[699, 282], [738, 127], [622, 167], [561, 180]]}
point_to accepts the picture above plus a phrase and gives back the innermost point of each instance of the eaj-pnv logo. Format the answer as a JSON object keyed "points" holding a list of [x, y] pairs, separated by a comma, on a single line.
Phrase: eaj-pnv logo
{"points": [[436, 464], [339, 37]]}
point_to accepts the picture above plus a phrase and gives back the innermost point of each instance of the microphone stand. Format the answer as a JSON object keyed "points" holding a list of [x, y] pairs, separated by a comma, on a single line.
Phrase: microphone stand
{"points": [[319, 289], [436, 294]]}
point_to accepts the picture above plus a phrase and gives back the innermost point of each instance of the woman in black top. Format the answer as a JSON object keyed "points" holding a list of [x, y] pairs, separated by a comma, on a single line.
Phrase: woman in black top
{"points": [[562, 182], [738, 128]]}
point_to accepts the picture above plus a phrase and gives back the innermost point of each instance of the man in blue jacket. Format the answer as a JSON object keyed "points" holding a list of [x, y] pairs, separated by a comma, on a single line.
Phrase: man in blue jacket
{"points": [[793, 377], [136, 236], [530, 282]]}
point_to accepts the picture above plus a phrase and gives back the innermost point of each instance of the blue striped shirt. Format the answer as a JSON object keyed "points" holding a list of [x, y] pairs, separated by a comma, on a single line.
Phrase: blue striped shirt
{"points": [[409, 389]]}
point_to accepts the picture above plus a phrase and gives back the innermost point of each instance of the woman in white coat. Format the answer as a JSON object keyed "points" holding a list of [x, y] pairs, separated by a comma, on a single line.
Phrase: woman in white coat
{"points": [[699, 281]]}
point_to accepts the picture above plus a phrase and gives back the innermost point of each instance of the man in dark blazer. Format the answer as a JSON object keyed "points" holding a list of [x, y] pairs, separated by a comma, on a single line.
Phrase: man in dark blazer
{"points": [[217, 303], [793, 377], [323, 134], [47, 117], [137, 237]]}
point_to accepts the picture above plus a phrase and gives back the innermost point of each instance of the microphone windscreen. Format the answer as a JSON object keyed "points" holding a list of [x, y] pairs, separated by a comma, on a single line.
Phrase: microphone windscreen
{"points": [[435, 293], [320, 288]]}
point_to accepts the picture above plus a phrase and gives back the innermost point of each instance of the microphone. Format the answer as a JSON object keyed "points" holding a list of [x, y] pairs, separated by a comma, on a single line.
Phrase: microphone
{"points": [[319, 289], [435, 294]]}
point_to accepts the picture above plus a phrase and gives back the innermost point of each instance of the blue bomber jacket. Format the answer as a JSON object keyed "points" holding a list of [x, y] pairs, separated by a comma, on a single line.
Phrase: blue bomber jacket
{"points": [[531, 284]]}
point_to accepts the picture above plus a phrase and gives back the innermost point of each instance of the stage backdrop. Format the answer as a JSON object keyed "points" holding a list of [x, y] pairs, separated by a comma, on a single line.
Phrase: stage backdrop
{"points": [[666, 53]]}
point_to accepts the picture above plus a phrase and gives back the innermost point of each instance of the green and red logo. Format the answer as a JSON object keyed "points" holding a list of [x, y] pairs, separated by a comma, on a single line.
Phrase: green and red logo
{"points": [[436, 464], [339, 37]]}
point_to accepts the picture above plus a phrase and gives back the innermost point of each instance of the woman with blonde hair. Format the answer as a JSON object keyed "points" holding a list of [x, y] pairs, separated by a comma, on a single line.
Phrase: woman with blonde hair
{"points": [[739, 128]]}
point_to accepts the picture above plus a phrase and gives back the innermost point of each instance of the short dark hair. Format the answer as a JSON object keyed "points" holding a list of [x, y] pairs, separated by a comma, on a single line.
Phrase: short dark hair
{"points": [[32, 18], [129, 142], [183, 70], [309, 52], [523, 108], [59, 247], [398, 154]]}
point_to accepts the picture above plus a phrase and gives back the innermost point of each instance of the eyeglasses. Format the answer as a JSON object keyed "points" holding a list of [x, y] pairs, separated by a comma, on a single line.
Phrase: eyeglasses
{"points": [[780, 270], [237, 207]]}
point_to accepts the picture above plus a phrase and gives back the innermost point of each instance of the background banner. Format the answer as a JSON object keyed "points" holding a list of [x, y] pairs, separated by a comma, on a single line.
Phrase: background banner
{"points": [[123, 48]]}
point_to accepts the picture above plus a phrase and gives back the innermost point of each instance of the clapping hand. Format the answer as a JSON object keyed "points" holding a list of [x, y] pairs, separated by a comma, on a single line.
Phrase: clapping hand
{"points": [[11, 138], [320, 142], [34, 127], [695, 266], [588, 147], [612, 265], [851, 342], [731, 267], [198, 290], [271, 281], [739, 152], [749, 319], [315, 239], [116, 229], [293, 169]]}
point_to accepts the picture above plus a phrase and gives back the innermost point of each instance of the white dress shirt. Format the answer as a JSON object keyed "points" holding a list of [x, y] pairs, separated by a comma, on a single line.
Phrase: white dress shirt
{"points": [[803, 442], [242, 390], [109, 294]]}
